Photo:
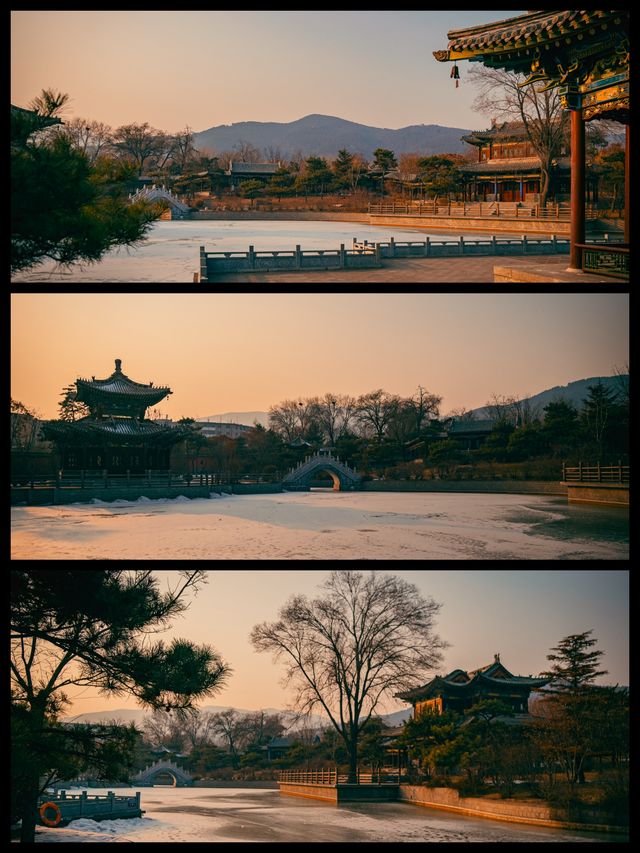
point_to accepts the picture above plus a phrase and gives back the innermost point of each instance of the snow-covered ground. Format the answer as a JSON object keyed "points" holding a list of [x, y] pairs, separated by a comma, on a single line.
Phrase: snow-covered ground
{"points": [[323, 525], [231, 814]]}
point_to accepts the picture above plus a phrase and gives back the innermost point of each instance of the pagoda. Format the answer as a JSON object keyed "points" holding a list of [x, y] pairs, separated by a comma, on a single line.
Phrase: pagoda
{"points": [[459, 690], [115, 436]]}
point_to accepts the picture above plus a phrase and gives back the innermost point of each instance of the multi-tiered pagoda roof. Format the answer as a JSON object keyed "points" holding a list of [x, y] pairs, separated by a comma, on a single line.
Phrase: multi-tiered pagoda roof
{"points": [[117, 408]]}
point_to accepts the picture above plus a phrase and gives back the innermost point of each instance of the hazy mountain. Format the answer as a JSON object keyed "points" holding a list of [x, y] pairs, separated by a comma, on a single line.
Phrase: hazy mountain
{"points": [[397, 717], [574, 392], [137, 715], [326, 135], [238, 418]]}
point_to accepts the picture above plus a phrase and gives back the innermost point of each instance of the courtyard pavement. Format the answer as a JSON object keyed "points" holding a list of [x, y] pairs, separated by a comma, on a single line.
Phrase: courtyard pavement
{"points": [[429, 271]]}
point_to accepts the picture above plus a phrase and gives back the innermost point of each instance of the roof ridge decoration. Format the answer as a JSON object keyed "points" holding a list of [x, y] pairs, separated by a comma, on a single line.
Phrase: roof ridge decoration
{"points": [[584, 53]]}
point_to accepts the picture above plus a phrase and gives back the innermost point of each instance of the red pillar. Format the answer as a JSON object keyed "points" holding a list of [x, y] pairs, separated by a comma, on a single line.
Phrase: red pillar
{"points": [[627, 188], [577, 189]]}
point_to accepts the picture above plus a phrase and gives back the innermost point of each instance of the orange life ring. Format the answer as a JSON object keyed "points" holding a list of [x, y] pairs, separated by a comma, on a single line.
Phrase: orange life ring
{"points": [[48, 821]]}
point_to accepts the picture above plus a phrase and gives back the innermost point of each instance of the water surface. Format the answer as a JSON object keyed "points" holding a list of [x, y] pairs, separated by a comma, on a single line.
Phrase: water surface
{"points": [[171, 252], [234, 814]]}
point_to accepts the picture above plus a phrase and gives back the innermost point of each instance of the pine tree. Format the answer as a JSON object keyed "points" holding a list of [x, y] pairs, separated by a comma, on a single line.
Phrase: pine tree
{"points": [[93, 628]]}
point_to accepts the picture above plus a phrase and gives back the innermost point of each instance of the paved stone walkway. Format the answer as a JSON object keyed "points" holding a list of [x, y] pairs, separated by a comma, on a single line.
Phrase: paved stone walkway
{"points": [[425, 271]]}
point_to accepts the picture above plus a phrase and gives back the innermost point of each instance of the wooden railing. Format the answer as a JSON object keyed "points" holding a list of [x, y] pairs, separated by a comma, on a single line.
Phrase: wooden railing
{"points": [[511, 210], [330, 776], [596, 473], [606, 259]]}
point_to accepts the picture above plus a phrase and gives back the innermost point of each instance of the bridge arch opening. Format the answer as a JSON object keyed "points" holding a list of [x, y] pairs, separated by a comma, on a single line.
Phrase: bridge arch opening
{"points": [[165, 779], [337, 484]]}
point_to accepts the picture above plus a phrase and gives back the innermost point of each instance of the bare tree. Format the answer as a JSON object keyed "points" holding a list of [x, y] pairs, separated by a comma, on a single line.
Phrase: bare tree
{"points": [[261, 727], [375, 410], [90, 137], [233, 727], [245, 152], [425, 406], [622, 382], [196, 727], [184, 150], [461, 413], [293, 418], [367, 637], [273, 154], [138, 143], [334, 414], [23, 426], [163, 729], [544, 120]]}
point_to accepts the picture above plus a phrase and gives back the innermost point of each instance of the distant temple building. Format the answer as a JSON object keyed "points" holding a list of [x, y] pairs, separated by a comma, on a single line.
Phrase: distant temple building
{"points": [[459, 690], [508, 168], [115, 436], [238, 172]]}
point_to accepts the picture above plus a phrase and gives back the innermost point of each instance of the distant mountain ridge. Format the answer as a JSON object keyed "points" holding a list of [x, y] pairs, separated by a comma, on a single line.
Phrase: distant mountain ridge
{"points": [[573, 392], [137, 715], [322, 135]]}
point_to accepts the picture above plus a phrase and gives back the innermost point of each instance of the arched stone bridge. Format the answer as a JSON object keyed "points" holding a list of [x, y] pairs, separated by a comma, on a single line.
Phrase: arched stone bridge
{"points": [[154, 193], [181, 778], [301, 476]]}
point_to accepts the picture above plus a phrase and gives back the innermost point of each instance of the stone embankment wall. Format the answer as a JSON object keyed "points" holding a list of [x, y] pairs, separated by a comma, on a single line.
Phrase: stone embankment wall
{"points": [[343, 793], [513, 811], [533, 487], [284, 214], [608, 494], [490, 225]]}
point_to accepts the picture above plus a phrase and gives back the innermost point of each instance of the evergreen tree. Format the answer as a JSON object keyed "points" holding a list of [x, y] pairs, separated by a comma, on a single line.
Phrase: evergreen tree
{"points": [[63, 208], [92, 628], [575, 665], [440, 175], [598, 414]]}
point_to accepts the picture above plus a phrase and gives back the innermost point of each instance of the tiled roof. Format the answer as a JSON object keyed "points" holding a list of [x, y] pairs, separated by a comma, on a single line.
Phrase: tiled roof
{"points": [[520, 32], [252, 168], [485, 673], [120, 385], [485, 425], [113, 429], [511, 164]]}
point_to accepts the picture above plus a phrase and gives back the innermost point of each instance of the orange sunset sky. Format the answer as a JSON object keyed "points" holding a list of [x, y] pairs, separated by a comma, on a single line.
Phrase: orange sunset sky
{"points": [[245, 352]]}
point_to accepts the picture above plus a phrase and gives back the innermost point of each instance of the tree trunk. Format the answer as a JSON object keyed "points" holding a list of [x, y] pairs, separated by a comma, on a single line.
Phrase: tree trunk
{"points": [[29, 813], [352, 777], [545, 183]]}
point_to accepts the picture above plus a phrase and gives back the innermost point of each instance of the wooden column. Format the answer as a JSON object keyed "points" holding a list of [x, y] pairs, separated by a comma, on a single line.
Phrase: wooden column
{"points": [[577, 190], [627, 188]]}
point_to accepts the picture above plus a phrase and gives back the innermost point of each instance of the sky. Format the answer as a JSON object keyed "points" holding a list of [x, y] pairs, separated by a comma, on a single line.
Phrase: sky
{"points": [[226, 352], [206, 68], [520, 615]]}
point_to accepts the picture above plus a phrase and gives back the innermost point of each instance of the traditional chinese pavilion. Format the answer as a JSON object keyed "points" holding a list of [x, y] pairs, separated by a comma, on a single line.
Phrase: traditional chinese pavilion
{"points": [[508, 168], [116, 436], [585, 55], [459, 690]]}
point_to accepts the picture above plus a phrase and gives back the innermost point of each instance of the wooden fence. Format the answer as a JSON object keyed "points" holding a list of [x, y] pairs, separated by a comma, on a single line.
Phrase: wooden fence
{"points": [[595, 473], [330, 776]]}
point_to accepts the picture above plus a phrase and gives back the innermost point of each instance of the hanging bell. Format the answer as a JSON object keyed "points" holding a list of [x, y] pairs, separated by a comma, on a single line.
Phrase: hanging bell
{"points": [[455, 74]]}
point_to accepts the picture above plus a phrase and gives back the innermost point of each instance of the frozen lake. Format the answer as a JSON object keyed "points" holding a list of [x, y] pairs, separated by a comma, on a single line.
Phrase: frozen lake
{"points": [[234, 814], [324, 525], [171, 252]]}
